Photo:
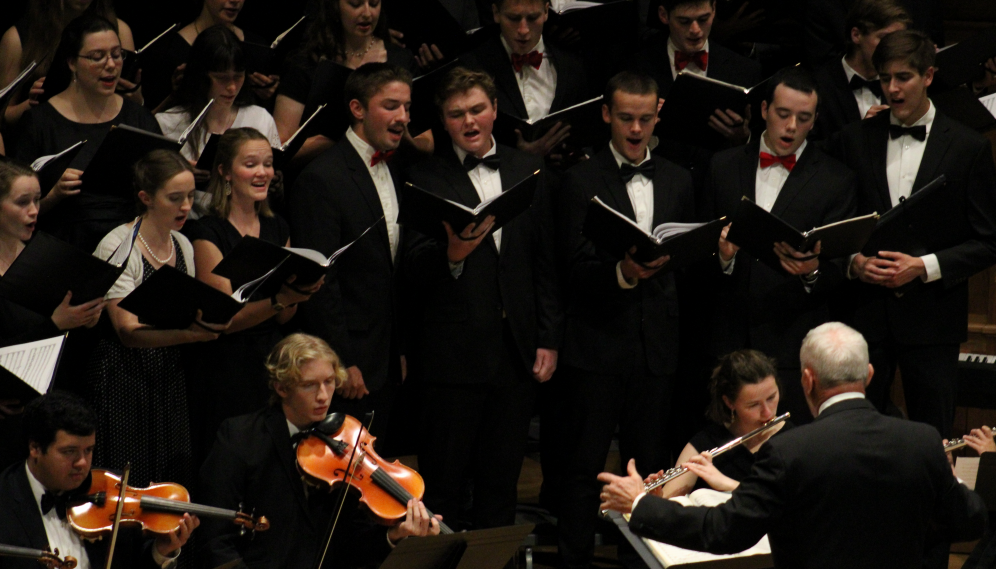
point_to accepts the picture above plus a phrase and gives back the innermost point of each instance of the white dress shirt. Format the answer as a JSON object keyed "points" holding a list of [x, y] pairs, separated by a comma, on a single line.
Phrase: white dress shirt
{"points": [[768, 184], [486, 181], [838, 398], [864, 96], [692, 67], [902, 164], [60, 534], [382, 180], [537, 86], [640, 190]]}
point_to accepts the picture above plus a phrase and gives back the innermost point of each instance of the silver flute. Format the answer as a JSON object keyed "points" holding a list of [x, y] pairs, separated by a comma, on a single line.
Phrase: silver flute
{"points": [[677, 471], [954, 444]]}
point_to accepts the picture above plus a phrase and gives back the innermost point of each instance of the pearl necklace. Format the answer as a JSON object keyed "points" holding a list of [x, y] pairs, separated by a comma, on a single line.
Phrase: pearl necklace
{"points": [[350, 54], [172, 249]]}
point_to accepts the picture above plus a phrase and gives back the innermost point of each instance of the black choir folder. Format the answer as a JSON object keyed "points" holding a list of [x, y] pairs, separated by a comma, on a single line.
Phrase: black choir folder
{"points": [[281, 155], [266, 59], [926, 222], [428, 22], [585, 118], [170, 299], [686, 243], [48, 268], [253, 257], [690, 103], [14, 87], [132, 59], [50, 168], [962, 62], [26, 370], [425, 212], [756, 231]]}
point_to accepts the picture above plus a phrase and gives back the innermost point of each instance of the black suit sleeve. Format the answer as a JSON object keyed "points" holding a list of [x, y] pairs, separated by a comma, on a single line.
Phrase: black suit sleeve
{"points": [[316, 224], [590, 276], [222, 478], [975, 254], [728, 528], [549, 312]]}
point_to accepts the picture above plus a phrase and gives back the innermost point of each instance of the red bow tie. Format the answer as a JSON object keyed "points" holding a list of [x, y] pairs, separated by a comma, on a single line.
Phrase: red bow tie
{"points": [[768, 160], [379, 157], [699, 58], [533, 58]]}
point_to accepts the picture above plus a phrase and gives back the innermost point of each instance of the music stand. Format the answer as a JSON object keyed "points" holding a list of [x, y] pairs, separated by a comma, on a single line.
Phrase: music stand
{"points": [[480, 549]]}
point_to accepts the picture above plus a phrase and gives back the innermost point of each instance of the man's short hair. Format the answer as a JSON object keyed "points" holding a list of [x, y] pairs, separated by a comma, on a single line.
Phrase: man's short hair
{"points": [[837, 354], [630, 82], [364, 82], [795, 78], [54, 412], [294, 352], [870, 16], [912, 47], [498, 3], [460, 80], [670, 5]]}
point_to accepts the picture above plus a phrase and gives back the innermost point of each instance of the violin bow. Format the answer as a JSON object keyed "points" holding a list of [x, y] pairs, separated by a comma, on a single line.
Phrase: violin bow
{"points": [[348, 472], [117, 515]]}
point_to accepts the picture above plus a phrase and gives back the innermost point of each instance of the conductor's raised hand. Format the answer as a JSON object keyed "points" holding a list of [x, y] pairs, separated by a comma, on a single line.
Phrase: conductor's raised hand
{"points": [[620, 491], [68, 317], [633, 270], [795, 262], [461, 245]]}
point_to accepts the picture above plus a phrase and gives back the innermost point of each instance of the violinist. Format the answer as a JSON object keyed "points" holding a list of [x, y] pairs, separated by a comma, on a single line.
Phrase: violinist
{"points": [[61, 433], [253, 462]]}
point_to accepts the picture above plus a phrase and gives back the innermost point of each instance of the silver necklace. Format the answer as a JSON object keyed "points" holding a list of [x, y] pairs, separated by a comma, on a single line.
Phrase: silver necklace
{"points": [[172, 249], [360, 53]]}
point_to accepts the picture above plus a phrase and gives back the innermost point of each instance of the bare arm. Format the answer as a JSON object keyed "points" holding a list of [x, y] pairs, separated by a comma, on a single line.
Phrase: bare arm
{"points": [[136, 335]]}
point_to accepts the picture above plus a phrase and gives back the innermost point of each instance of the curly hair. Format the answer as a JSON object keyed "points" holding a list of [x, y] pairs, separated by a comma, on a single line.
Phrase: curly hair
{"points": [[291, 354]]}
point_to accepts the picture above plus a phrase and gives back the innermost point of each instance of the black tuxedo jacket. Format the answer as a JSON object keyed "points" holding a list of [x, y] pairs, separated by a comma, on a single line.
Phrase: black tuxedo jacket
{"points": [[21, 525], [724, 65], [572, 80], [607, 328], [853, 489], [461, 321], [838, 107], [333, 202], [253, 463], [936, 312], [758, 306]]}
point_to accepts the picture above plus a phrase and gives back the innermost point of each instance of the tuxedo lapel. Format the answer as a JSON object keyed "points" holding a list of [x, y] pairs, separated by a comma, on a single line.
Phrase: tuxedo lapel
{"points": [[512, 172], [877, 143], [748, 170], [499, 60], [560, 93], [938, 144], [616, 195], [464, 188], [366, 188], [28, 513], [663, 196], [800, 175], [845, 96], [276, 427]]}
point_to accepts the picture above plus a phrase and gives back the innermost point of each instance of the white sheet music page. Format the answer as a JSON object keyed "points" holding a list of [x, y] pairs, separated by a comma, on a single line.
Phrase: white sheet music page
{"points": [[989, 101], [967, 469], [33, 362]]}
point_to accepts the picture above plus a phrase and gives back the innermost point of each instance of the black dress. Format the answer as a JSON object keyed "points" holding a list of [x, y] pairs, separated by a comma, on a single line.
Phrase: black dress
{"points": [[735, 463], [84, 219], [140, 398], [227, 376]]}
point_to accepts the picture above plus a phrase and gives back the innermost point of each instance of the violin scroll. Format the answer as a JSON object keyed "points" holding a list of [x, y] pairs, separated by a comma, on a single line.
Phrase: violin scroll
{"points": [[53, 561], [248, 523]]}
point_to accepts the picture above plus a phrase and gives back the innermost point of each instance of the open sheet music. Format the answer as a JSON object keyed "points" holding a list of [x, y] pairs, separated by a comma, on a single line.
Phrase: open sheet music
{"points": [[33, 363]]}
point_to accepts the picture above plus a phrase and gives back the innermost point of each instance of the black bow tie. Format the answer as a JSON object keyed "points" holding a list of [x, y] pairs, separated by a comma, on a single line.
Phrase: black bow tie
{"points": [[52, 500], [858, 82], [627, 171], [470, 162], [917, 132]]}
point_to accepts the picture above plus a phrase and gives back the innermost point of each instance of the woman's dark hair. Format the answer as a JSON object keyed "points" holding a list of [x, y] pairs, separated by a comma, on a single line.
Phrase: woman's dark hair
{"points": [[10, 171], [57, 411], [45, 19], [59, 75], [325, 38], [735, 370], [228, 150], [155, 169], [216, 49]]}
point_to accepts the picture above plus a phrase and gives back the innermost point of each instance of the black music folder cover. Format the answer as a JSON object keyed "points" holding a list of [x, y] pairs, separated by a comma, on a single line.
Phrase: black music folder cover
{"points": [[26, 370], [132, 59], [585, 118], [964, 106], [690, 103], [48, 268], [327, 85], [686, 243], [756, 231], [170, 299], [267, 59], [14, 87], [423, 112], [50, 168], [923, 223], [281, 155], [592, 21], [109, 172], [429, 22], [253, 258], [962, 62], [425, 212]]}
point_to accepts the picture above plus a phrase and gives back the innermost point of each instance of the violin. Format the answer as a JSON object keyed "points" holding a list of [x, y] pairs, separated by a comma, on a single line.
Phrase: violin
{"points": [[46, 558], [339, 449], [157, 509]]}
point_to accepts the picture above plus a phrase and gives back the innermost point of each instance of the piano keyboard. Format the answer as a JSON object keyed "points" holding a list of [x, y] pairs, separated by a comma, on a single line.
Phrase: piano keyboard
{"points": [[976, 359]]}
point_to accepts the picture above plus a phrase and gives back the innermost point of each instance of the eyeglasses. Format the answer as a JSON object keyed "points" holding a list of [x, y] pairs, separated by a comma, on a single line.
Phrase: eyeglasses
{"points": [[100, 57]]}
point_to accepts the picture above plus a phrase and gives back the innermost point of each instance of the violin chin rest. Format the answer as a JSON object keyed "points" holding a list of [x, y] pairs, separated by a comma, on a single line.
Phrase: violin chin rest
{"points": [[331, 424]]}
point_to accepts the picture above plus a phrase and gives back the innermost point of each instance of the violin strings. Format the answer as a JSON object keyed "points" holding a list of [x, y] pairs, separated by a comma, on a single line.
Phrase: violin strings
{"points": [[349, 472]]}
